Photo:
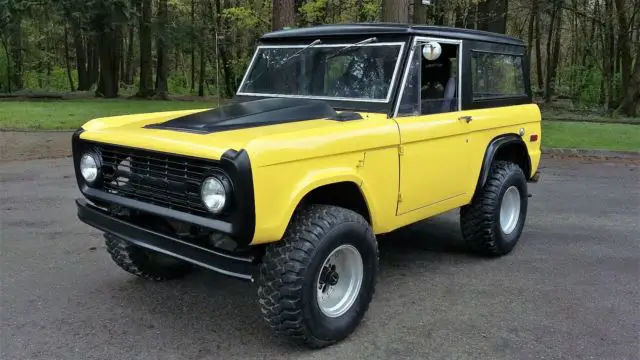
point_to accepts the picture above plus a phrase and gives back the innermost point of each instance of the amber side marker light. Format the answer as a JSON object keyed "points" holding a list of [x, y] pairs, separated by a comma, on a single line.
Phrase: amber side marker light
{"points": [[533, 138]]}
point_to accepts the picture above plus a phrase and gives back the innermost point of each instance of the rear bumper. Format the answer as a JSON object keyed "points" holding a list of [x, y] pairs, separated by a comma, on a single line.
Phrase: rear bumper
{"points": [[242, 267]]}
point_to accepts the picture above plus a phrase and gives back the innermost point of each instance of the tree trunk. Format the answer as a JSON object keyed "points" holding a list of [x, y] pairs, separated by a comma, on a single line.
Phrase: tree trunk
{"points": [[419, 12], [609, 53], [460, 21], [553, 49], [203, 64], [93, 68], [283, 14], [146, 72], [624, 47], [8, 55], [15, 44], [556, 47], [84, 83], [193, 47], [109, 45], [128, 65], [539, 73], [162, 69], [532, 20], [631, 101], [67, 59], [492, 16], [121, 63], [227, 72], [395, 11]]}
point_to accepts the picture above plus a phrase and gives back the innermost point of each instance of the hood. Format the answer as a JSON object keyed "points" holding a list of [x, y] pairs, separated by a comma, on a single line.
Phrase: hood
{"points": [[250, 114], [209, 133]]}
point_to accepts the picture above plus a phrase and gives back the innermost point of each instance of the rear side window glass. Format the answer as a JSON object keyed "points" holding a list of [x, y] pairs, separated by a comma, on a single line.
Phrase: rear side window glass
{"points": [[497, 75]]}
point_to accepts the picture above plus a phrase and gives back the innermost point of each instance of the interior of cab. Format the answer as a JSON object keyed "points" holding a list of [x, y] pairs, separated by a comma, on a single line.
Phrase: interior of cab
{"points": [[432, 85]]}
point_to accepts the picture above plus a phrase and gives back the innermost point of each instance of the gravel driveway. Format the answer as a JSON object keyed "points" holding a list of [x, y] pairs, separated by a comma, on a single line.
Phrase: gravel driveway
{"points": [[570, 290]]}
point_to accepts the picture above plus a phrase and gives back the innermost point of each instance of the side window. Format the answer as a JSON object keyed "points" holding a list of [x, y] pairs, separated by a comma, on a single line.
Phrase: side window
{"points": [[496, 75], [432, 85]]}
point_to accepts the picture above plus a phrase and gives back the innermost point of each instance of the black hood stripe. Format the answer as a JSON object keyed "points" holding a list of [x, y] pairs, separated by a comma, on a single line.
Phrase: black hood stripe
{"points": [[253, 114]]}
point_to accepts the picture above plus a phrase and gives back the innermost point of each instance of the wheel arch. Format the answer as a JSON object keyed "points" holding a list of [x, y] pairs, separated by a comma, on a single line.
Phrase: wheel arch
{"points": [[345, 193], [508, 147]]}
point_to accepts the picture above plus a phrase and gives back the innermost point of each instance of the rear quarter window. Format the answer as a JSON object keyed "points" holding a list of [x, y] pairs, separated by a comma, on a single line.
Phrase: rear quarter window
{"points": [[497, 75]]}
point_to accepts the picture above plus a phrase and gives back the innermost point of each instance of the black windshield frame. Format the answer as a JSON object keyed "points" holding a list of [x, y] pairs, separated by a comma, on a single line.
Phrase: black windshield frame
{"points": [[385, 106]]}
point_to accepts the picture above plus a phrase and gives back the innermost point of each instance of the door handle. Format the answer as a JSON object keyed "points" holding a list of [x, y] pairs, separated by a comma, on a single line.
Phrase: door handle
{"points": [[466, 118]]}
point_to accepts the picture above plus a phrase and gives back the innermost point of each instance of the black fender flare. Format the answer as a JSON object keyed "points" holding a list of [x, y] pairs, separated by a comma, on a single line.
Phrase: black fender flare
{"points": [[492, 149]]}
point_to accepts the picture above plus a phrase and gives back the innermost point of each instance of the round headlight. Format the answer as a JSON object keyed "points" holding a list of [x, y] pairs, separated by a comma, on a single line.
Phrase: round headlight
{"points": [[214, 194], [89, 167]]}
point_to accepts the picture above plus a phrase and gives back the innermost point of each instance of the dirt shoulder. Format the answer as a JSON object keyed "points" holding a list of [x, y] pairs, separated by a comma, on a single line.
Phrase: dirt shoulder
{"points": [[15, 145]]}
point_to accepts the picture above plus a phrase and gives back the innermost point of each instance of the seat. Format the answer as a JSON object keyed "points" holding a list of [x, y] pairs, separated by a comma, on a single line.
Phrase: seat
{"points": [[449, 95]]}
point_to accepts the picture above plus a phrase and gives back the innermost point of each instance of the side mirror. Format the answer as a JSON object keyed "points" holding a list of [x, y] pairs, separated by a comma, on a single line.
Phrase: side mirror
{"points": [[431, 50]]}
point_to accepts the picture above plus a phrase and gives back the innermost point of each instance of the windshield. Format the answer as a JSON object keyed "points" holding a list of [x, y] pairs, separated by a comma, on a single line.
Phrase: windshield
{"points": [[362, 73]]}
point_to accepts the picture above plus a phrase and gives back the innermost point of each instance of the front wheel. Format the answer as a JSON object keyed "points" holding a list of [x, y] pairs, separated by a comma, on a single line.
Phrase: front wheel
{"points": [[493, 222], [316, 284]]}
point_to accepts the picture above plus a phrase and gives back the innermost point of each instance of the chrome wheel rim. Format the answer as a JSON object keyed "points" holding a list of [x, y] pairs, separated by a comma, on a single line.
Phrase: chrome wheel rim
{"points": [[339, 281], [510, 210]]}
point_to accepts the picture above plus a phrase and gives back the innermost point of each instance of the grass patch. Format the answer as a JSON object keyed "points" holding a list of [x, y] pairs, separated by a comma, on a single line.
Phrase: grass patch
{"points": [[581, 135], [71, 114]]}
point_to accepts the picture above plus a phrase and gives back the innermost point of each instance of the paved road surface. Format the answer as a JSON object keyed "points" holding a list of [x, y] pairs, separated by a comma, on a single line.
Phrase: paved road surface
{"points": [[570, 290]]}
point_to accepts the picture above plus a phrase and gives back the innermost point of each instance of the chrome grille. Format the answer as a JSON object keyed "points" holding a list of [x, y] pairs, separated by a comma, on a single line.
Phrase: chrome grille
{"points": [[166, 180]]}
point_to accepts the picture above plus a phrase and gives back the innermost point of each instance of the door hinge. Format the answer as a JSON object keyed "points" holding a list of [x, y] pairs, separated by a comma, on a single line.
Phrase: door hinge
{"points": [[400, 150], [399, 197], [361, 161]]}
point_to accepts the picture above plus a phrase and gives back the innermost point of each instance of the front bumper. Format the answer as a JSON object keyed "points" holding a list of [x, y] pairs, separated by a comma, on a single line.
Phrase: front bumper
{"points": [[242, 267]]}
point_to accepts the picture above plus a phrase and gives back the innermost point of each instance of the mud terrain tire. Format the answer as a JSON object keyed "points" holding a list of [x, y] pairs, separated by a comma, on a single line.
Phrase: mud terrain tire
{"points": [[292, 272], [485, 228]]}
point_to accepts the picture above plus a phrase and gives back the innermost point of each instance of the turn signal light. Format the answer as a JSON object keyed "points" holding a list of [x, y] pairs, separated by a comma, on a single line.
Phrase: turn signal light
{"points": [[533, 138]]}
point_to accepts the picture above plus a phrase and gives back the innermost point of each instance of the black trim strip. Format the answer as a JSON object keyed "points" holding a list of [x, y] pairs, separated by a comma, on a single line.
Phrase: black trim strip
{"points": [[489, 155], [226, 264], [105, 197]]}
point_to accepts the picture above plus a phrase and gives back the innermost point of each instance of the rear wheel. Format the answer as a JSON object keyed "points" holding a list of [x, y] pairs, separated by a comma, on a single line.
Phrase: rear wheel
{"points": [[493, 222], [147, 264], [316, 284]]}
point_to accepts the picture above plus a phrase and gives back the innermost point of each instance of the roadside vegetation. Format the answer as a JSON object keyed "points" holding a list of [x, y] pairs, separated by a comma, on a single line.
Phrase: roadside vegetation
{"points": [[584, 135], [587, 52], [71, 114], [584, 55]]}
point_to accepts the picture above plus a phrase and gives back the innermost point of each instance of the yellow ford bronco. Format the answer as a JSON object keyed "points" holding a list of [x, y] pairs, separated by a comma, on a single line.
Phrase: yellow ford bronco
{"points": [[337, 134]]}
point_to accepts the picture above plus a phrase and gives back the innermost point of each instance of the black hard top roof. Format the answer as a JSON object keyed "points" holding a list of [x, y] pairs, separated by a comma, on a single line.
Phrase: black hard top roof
{"points": [[390, 29]]}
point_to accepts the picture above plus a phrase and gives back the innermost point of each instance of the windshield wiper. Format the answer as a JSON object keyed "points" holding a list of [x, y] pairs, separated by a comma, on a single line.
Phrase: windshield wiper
{"points": [[284, 62], [349, 47]]}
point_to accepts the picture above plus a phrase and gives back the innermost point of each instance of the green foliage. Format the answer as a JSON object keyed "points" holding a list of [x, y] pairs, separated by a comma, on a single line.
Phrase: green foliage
{"points": [[32, 32], [582, 84], [242, 18], [56, 80], [316, 12]]}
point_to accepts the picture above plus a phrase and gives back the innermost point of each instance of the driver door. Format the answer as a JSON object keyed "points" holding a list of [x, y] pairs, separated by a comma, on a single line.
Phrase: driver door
{"points": [[434, 158]]}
